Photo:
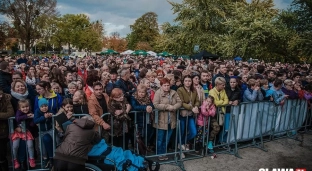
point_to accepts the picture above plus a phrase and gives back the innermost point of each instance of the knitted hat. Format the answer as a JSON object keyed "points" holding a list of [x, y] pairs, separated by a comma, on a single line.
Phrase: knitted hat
{"points": [[43, 101]]}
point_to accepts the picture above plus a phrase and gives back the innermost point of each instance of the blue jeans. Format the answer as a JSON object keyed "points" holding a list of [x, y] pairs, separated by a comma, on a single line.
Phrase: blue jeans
{"points": [[226, 125], [162, 141], [191, 128]]}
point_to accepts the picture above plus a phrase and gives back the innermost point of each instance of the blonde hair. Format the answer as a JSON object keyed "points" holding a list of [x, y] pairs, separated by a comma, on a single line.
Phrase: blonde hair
{"points": [[18, 81], [141, 87], [150, 73], [219, 81], [288, 81], [72, 84], [251, 82]]}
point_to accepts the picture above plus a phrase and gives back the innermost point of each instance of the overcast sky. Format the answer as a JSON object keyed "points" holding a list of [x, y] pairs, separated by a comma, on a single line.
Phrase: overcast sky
{"points": [[117, 15]]}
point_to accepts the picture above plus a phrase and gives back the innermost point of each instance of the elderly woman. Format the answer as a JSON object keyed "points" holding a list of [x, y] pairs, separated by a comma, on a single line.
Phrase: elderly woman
{"points": [[167, 102], [190, 103]]}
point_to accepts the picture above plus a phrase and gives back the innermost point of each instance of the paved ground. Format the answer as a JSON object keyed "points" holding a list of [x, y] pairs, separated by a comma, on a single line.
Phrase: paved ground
{"points": [[282, 153]]}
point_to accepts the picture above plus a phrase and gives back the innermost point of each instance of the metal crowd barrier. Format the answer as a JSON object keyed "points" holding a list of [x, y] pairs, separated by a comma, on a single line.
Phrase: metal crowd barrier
{"points": [[248, 125]]}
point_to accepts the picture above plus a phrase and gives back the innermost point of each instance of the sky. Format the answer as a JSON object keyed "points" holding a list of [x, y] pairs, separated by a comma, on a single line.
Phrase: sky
{"points": [[118, 15]]}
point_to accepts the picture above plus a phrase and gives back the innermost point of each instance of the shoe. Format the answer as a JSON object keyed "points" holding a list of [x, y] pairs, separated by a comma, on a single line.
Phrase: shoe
{"points": [[182, 156], [46, 163], [209, 145], [181, 147], [187, 147], [162, 158], [16, 164], [32, 163]]}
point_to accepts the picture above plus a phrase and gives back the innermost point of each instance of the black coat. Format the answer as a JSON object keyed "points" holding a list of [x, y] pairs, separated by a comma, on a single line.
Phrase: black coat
{"points": [[232, 95], [5, 81]]}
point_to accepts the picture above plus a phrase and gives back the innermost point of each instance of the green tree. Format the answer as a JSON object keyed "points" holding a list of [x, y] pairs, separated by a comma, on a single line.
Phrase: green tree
{"points": [[250, 29], [144, 29], [91, 37], [24, 13], [70, 28], [302, 42]]}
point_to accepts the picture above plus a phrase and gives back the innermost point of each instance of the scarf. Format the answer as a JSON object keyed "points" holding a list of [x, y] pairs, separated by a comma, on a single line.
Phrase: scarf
{"points": [[143, 101], [19, 96]]}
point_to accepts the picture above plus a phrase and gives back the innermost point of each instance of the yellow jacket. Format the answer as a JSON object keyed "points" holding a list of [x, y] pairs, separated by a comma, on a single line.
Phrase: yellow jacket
{"points": [[220, 98]]}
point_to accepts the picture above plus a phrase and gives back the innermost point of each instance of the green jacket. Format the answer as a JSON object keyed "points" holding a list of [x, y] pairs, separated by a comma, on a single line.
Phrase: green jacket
{"points": [[189, 99]]}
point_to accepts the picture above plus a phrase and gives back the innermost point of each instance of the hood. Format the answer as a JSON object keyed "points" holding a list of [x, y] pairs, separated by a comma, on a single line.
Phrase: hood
{"points": [[84, 123]]}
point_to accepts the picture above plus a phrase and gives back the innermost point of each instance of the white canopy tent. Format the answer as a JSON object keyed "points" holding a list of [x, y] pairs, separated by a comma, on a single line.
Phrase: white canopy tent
{"points": [[127, 52], [152, 53]]}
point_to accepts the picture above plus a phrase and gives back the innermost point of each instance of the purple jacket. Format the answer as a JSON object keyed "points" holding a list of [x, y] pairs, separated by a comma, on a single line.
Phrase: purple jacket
{"points": [[292, 94], [30, 125]]}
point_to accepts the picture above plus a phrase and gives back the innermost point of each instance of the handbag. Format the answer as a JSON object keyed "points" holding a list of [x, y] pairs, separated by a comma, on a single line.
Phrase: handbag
{"points": [[185, 113], [221, 117]]}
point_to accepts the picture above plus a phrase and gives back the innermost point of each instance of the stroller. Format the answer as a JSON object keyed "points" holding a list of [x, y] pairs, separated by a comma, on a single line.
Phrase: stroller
{"points": [[106, 158]]}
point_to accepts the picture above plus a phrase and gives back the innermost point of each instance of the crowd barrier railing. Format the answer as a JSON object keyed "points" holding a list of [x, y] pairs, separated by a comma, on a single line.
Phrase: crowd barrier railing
{"points": [[246, 125]]}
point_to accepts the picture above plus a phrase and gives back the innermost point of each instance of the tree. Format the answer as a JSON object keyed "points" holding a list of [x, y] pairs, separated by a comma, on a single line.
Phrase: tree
{"points": [[143, 46], [24, 13], [69, 28], [8, 36], [144, 29], [91, 37], [303, 11], [250, 29], [114, 41]]}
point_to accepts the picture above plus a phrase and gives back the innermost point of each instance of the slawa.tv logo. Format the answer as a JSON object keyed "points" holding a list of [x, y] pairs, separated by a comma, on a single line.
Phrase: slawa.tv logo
{"points": [[283, 169]]}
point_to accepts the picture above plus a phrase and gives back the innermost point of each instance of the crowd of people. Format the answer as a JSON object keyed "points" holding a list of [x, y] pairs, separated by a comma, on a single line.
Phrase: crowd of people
{"points": [[33, 89]]}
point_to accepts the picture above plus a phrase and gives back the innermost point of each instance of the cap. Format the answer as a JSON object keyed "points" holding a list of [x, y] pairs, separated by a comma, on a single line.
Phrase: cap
{"points": [[43, 101]]}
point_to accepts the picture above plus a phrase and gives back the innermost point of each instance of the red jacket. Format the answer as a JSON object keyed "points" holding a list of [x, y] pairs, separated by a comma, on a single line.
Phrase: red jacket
{"points": [[83, 75]]}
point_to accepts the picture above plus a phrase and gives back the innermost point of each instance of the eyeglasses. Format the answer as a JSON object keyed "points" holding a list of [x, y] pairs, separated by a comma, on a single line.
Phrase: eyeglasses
{"points": [[17, 78]]}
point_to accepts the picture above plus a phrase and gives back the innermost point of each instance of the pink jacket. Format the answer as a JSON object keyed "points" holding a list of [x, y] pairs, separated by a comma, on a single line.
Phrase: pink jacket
{"points": [[204, 113]]}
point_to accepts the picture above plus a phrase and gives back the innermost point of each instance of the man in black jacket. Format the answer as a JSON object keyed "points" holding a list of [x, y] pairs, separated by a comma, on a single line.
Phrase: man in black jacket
{"points": [[5, 77], [222, 73], [124, 84]]}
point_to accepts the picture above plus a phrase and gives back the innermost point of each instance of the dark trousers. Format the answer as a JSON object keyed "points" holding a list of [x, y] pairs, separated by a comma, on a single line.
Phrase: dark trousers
{"points": [[60, 165], [3, 155], [118, 141]]}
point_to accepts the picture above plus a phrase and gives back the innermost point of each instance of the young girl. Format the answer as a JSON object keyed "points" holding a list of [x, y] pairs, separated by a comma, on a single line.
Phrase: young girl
{"points": [[141, 101], [56, 87], [207, 109], [65, 114], [23, 114], [119, 108], [80, 102]]}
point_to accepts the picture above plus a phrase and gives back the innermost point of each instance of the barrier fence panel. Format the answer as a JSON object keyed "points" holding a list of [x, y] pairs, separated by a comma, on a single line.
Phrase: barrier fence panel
{"points": [[290, 117], [246, 125]]}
